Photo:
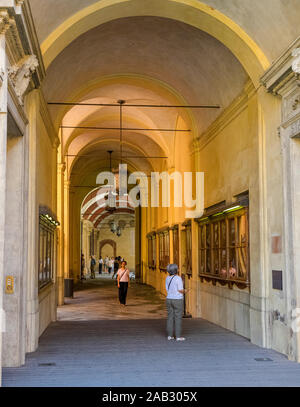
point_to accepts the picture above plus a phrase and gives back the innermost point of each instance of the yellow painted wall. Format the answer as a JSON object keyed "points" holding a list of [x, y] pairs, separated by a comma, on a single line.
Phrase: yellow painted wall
{"points": [[46, 189], [227, 153], [125, 244]]}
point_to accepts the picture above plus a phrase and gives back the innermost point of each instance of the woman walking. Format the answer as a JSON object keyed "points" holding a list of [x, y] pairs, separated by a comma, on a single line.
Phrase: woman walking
{"points": [[175, 290], [123, 282], [106, 264], [110, 264]]}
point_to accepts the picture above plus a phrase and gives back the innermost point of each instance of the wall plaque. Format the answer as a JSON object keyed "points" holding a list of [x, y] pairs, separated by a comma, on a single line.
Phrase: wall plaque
{"points": [[9, 285], [277, 280], [276, 244]]}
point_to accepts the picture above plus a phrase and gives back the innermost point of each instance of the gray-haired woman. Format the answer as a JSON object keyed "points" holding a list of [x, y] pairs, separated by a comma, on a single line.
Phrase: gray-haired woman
{"points": [[175, 290]]}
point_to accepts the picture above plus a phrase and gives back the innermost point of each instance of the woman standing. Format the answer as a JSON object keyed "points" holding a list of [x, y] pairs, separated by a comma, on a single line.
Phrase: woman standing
{"points": [[100, 265], [175, 290], [93, 264], [123, 282], [82, 267]]}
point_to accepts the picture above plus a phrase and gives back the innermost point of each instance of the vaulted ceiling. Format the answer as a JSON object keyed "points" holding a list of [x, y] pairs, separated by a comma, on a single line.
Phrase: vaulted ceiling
{"points": [[146, 58], [197, 66], [273, 24]]}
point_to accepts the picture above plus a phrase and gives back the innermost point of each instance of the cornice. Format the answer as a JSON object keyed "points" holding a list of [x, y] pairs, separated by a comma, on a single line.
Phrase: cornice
{"points": [[61, 167], [163, 230], [21, 39], [5, 21], [32, 35], [281, 71], [187, 223], [14, 46], [228, 115], [44, 112]]}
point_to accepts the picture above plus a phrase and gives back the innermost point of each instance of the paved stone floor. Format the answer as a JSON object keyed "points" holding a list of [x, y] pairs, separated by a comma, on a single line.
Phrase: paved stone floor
{"points": [[98, 299], [96, 343]]}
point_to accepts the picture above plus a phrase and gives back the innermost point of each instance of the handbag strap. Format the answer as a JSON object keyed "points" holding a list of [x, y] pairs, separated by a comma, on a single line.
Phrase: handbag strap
{"points": [[170, 283], [122, 274]]}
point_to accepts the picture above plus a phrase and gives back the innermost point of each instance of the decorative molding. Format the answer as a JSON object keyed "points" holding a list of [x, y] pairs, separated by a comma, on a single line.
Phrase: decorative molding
{"points": [[16, 22], [34, 42], [187, 223], [61, 167], [227, 116], [281, 71], [163, 230], [2, 77], [295, 129], [45, 211], [14, 44], [44, 112], [291, 104], [296, 60], [5, 22], [20, 75]]}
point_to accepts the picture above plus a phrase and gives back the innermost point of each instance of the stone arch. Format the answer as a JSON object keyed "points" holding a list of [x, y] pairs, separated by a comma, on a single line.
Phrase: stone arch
{"points": [[111, 243]]}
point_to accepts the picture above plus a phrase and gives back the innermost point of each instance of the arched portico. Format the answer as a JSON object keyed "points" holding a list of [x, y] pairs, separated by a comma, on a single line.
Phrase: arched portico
{"points": [[160, 57], [110, 242]]}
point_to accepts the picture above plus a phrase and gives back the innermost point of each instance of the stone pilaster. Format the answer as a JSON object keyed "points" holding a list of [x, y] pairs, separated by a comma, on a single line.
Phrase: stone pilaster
{"points": [[3, 147], [66, 228], [290, 144], [61, 167], [282, 80], [32, 110]]}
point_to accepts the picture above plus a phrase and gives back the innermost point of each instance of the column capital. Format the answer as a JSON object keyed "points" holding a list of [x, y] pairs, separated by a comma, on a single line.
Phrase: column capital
{"points": [[283, 71], [61, 167], [196, 146], [67, 184]]}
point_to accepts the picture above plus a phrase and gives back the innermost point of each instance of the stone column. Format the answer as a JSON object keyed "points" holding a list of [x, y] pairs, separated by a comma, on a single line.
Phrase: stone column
{"points": [[32, 331], [290, 143], [171, 246], [138, 231], [15, 251], [72, 222], [194, 280], [258, 222], [60, 214], [66, 228], [3, 141]]}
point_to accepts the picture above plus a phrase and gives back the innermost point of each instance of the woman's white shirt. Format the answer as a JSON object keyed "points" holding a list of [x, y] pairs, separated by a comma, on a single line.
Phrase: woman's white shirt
{"points": [[173, 284], [124, 274]]}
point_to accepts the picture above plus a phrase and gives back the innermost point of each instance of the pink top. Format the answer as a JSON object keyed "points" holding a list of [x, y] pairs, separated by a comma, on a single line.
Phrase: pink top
{"points": [[124, 274]]}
